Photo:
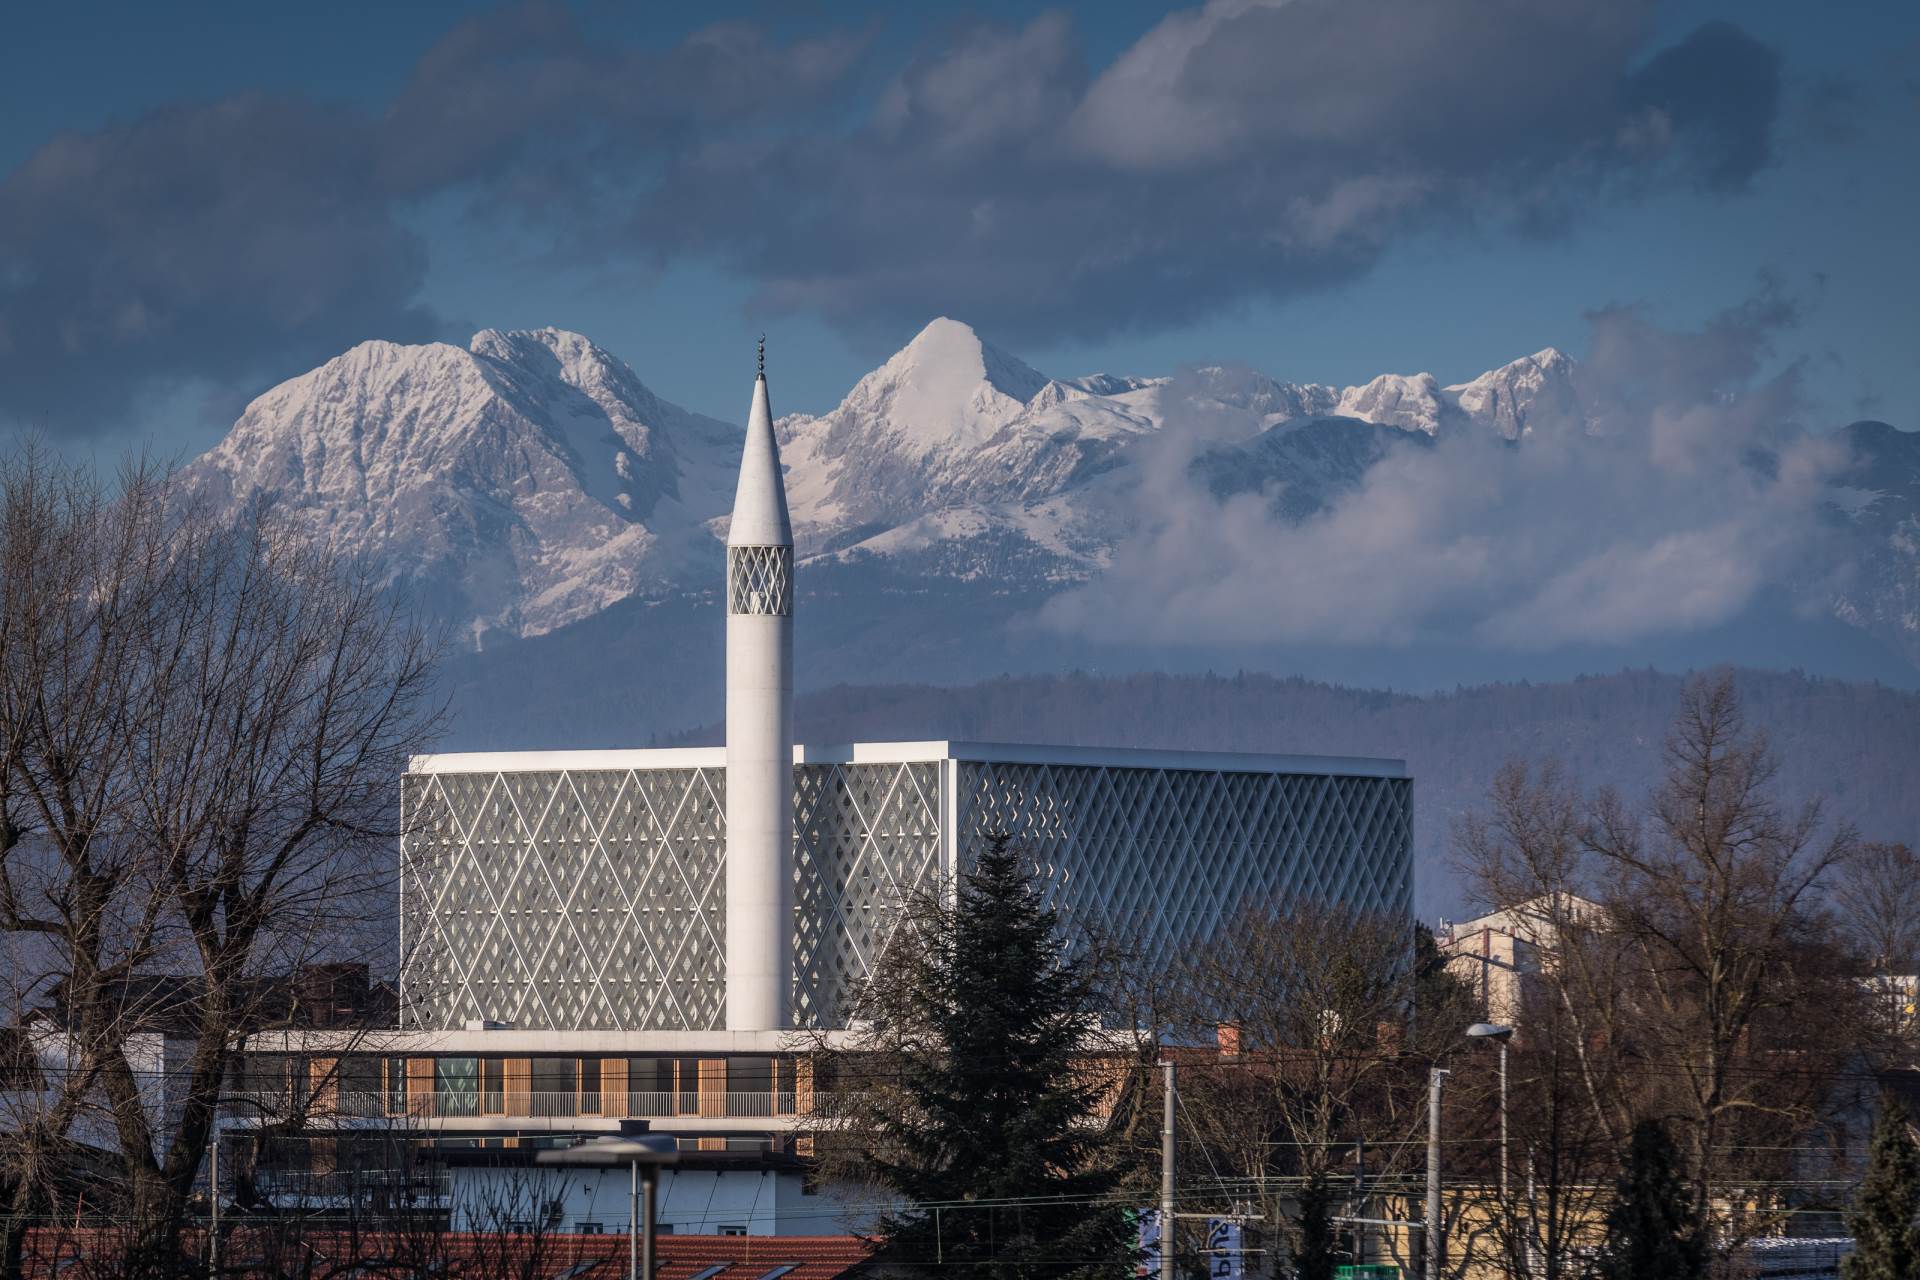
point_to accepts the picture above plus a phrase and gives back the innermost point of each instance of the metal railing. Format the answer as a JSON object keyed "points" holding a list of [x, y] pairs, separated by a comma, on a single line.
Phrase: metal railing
{"points": [[537, 1104]]}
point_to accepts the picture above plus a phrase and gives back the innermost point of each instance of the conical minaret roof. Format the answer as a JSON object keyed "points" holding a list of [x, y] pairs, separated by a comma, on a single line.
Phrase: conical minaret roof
{"points": [[760, 501]]}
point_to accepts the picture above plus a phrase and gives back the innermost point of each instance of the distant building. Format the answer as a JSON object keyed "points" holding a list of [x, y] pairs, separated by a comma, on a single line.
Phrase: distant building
{"points": [[1496, 954]]}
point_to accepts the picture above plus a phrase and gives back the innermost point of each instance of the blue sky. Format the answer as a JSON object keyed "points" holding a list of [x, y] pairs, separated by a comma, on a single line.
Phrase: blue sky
{"points": [[198, 201]]}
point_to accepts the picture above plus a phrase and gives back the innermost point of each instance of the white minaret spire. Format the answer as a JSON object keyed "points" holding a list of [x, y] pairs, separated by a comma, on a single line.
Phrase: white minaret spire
{"points": [[760, 733]]}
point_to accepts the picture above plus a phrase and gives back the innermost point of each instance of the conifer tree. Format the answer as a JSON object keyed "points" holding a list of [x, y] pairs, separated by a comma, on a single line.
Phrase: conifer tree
{"points": [[1315, 1257], [1886, 1241], [1652, 1229], [984, 1131]]}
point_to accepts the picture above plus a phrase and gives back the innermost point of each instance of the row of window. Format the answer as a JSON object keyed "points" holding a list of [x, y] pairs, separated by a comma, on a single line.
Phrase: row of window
{"points": [[532, 1086]]}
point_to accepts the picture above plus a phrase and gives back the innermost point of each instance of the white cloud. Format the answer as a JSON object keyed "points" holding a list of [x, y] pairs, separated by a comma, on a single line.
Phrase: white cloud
{"points": [[1694, 496]]}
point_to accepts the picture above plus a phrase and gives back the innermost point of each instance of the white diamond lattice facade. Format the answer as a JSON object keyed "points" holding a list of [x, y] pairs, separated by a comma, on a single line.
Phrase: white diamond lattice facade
{"points": [[586, 890]]}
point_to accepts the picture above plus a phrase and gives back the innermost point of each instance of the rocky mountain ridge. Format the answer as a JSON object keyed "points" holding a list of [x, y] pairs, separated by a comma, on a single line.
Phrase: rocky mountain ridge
{"points": [[530, 480]]}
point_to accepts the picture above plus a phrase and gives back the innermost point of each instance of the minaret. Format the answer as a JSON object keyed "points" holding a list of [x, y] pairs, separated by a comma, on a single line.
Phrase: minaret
{"points": [[759, 733]]}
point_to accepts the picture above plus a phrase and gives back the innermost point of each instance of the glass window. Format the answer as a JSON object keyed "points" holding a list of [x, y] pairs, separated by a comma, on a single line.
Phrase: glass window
{"points": [[300, 1077], [650, 1086], [493, 1086], [396, 1072], [556, 1086], [456, 1082], [589, 1086], [266, 1074], [687, 1070], [556, 1075], [750, 1075], [359, 1074]]}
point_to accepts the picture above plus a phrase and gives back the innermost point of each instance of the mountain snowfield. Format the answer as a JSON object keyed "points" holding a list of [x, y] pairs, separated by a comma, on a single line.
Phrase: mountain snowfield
{"points": [[518, 484], [530, 480]]}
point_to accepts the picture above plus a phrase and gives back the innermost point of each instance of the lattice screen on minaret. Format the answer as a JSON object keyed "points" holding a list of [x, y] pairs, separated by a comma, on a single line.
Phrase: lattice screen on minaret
{"points": [[760, 580]]}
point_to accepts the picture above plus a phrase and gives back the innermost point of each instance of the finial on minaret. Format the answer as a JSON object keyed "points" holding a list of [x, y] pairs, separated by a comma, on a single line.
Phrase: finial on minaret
{"points": [[763, 355]]}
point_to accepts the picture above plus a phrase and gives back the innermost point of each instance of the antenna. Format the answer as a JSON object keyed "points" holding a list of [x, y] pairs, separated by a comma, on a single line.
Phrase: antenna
{"points": [[763, 355]]}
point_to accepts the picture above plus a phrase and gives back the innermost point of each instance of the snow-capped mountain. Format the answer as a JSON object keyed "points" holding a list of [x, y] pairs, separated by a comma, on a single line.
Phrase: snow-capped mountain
{"points": [[1534, 393], [950, 421], [517, 484], [530, 480]]}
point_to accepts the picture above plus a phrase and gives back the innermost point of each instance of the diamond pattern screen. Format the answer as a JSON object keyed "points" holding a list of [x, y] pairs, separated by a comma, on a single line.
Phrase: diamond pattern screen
{"points": [[565, 899], [760, 580], [1165, 854], [596, 899], [865, 838]]}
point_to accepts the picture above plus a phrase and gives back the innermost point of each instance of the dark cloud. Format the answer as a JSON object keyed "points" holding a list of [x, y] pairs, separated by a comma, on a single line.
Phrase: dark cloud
{"points": [[214, 242], [526, 93], [1237, 150], [1715, 94], [231, 243]]}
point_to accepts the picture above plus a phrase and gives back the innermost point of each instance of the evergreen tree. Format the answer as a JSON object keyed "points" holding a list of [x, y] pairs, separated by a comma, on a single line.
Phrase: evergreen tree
{"points": [[984, 1132], [1315, 1258], [1652, 1229], [1886, 1241]]}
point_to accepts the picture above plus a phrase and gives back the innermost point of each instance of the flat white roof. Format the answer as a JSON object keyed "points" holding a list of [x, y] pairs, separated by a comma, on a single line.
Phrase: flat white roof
{"points": [[902, 752]]}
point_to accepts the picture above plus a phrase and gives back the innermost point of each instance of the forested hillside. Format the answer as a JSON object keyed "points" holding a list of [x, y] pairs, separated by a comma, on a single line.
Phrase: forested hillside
{"points": [[1856, 744]]}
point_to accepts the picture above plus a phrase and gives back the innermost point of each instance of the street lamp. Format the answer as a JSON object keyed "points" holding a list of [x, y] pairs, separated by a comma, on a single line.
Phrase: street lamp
{"points": [[1499, 1034], [643, 1154]]}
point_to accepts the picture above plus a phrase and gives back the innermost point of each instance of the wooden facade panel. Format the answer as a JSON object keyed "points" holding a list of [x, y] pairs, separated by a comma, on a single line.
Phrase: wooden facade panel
{"points": [[420, 1086], [518, 1076], [713, 1086], [613, 1088], [323, 1083]]}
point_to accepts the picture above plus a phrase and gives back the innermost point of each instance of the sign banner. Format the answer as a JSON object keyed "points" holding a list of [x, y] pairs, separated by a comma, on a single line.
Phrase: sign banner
{"points": [[1225, 1258]]}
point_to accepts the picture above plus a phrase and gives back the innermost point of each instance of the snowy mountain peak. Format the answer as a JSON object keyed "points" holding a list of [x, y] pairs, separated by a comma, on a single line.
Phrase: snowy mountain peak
{"points": [[1412, 403], [946, 387], [518, 483], [1535, 392]]}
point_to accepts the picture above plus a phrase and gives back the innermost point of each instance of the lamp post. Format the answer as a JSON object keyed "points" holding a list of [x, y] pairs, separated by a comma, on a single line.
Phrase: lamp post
{"points": [[643, 1154], [1434, 1227], [1499, 1034]]}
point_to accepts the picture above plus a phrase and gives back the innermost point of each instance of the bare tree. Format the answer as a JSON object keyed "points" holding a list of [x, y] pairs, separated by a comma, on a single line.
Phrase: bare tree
{"points": [[1717, 887], [1686, 968], [81, 571], [1311, 1003], [201, 725], [1879, 900]]}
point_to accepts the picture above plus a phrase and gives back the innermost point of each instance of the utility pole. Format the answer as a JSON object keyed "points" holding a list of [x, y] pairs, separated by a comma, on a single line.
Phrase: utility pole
{"points": [[1434, 1230], [1506, 1204], [1166, 1174], [213, 1198]]}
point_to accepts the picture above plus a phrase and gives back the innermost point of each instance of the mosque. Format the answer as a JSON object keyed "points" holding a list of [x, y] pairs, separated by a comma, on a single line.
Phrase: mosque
{"points": [[599, 937]]}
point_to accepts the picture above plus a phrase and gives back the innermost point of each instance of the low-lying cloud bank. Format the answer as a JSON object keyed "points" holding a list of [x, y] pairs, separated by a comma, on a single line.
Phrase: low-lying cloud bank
{"points": [[1687, 494]]}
